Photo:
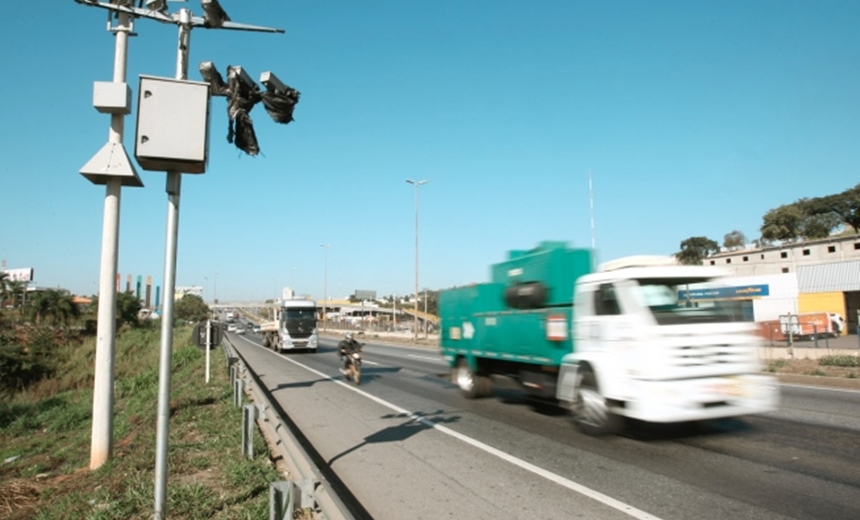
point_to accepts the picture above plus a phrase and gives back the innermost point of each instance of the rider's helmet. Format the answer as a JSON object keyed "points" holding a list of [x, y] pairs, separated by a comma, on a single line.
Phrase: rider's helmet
{"points": [[349, 336]]}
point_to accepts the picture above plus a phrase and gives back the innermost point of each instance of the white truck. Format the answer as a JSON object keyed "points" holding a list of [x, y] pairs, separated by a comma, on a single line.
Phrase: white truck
{"points": [[625, 341], [294, 326]]}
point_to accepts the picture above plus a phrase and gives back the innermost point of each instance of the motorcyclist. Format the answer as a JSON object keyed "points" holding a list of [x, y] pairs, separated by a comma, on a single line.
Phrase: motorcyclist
{"points": [[346, 348]]}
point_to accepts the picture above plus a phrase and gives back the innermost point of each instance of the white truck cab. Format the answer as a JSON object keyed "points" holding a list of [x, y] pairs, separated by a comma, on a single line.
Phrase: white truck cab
{"points": [[645, 350]]}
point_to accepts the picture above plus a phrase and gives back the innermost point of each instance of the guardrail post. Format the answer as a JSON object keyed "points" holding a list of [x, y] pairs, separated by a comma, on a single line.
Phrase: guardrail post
{"points": [[238, 390], [281, 504], [249, 421], [306, 493]]}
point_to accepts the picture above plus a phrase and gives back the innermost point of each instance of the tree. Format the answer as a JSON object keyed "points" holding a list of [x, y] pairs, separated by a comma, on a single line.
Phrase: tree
{"points": [[846, 206], [56, 304], [191, 308], [695, 249], [734, 240], [13, 291], [127, 307], [783, 223]]}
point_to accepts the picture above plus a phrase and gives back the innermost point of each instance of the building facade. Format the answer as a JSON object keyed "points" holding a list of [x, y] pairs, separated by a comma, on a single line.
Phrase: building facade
{"points": [[798, 278]]}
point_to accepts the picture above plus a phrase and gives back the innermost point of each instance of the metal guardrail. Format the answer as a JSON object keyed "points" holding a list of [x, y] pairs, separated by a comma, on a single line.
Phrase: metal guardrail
{"points": [[307, 488]]}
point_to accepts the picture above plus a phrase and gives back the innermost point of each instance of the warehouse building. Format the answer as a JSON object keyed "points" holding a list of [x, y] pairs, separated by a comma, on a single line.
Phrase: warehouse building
{"points": [[797, 278]]}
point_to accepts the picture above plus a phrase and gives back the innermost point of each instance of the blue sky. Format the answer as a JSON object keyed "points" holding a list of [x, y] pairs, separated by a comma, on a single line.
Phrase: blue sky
{"points": [[695, 118]]}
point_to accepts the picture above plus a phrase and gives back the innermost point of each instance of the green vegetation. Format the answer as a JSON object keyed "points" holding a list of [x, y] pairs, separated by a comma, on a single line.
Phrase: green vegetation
{"points": [[804, 219], [840, 361], [190, 308], [45, 429], [775, 365]]}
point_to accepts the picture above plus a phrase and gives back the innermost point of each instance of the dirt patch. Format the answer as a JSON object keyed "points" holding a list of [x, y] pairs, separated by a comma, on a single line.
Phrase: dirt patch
{"points": [[810, 372], [811, 367], [18, 497]]}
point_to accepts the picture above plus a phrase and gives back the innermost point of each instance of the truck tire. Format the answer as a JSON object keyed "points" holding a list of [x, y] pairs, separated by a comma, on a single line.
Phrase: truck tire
{"points": [[471, 385], [266, 340], [590, 413]]}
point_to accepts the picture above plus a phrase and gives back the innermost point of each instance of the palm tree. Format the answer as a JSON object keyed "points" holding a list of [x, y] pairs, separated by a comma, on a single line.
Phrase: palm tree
{"points": [[14, 289], [58, 304], [4, 287], [42, 305]]}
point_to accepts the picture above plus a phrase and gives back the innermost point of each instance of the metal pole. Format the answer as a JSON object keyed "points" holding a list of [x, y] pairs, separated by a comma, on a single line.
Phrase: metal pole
{"points": [[215, 293], [101, 445], [173, 188], [325, 284], [208, 347], [415, 323]]}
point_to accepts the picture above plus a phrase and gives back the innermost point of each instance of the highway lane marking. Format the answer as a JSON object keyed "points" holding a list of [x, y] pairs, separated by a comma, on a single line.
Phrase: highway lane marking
{"points": [[436, 360], [553, 477]]}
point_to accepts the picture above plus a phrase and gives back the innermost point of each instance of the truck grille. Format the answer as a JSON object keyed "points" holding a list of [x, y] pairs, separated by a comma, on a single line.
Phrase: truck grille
{"points": [[709, 355]]}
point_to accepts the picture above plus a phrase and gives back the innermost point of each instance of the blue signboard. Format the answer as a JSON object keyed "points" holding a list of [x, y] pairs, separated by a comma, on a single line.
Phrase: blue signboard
{"points": [[713, 293]]}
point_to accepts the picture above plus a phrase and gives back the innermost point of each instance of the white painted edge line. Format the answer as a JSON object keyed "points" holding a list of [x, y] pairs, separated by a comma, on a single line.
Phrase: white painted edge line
{"points": [[558, 479], [428, 358]]}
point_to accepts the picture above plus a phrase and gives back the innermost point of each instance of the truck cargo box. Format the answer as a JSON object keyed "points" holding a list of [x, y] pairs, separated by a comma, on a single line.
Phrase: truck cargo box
{"points": [[552, 264]]}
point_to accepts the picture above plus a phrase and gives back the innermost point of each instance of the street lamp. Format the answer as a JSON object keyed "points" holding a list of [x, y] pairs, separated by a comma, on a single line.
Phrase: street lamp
{"points": [[325, 284], [415, 324]]}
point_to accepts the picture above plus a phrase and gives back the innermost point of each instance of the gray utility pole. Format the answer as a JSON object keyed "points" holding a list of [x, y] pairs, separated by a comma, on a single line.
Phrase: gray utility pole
{"points": [[111, 167], [415, 323]]}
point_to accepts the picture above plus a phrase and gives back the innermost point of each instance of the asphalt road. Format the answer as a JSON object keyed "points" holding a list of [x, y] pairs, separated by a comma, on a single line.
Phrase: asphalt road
{"points": [[409, 446]]}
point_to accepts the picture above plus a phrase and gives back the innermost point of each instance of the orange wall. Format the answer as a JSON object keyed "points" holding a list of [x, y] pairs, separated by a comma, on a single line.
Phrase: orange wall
{"points": [[822, 302]]}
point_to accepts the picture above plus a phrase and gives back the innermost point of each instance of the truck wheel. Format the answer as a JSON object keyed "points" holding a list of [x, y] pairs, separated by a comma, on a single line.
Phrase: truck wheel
{"points": [[266, 341], [590, 413], [471, 385]]}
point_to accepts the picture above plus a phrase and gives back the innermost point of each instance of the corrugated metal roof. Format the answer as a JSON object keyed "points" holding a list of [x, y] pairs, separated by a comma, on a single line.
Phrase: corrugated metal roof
{"points": [[834, 276]]}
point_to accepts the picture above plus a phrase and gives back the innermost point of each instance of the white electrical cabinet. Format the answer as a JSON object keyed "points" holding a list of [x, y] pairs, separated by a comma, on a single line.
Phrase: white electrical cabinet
{"points": [[172, 125]]}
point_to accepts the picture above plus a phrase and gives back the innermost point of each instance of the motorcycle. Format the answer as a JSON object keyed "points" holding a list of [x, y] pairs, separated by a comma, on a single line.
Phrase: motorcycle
{"points": [[353, 369]]}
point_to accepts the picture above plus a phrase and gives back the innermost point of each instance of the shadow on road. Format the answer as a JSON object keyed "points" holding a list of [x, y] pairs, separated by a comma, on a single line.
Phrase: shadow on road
{"points": [[651, 432], [414, 423], [300, 384]]}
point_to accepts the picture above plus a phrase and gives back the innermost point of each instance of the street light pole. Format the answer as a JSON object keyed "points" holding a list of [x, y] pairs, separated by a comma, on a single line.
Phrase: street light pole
{"points": [[415, 324], [325, 284]]}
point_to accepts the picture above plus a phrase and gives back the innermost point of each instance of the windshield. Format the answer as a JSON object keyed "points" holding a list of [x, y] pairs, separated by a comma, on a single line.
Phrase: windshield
{"points": [[305, 313], [678, 301]]}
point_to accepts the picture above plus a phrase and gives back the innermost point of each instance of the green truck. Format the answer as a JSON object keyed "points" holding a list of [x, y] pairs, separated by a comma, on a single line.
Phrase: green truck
{"points": [[626, 340]]}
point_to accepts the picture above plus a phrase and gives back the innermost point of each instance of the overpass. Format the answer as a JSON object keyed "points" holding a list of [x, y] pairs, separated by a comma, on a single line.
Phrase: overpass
{"points": [[341, 308]]}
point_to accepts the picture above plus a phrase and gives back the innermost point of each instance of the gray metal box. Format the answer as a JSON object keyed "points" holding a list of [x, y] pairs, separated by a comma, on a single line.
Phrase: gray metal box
{"points": [[111, 98], [172, 125]]}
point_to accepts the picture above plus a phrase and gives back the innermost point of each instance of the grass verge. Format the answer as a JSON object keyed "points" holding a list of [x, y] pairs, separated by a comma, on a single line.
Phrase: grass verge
{"points": [[45, 437]]}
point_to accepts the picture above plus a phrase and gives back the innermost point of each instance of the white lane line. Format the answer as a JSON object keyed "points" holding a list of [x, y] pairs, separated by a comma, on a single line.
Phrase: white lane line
{"points": [[558, 479], [437, 360], [366, 362]]}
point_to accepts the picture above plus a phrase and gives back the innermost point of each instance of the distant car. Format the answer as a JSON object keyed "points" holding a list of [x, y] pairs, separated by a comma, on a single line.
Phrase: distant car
{"points": [[231, 327], [240, 330], [256, 329]]}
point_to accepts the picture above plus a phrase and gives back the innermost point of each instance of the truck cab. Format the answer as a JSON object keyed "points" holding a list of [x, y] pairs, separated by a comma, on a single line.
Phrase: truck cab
{"points": [[294, 327], [645, 350]]}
